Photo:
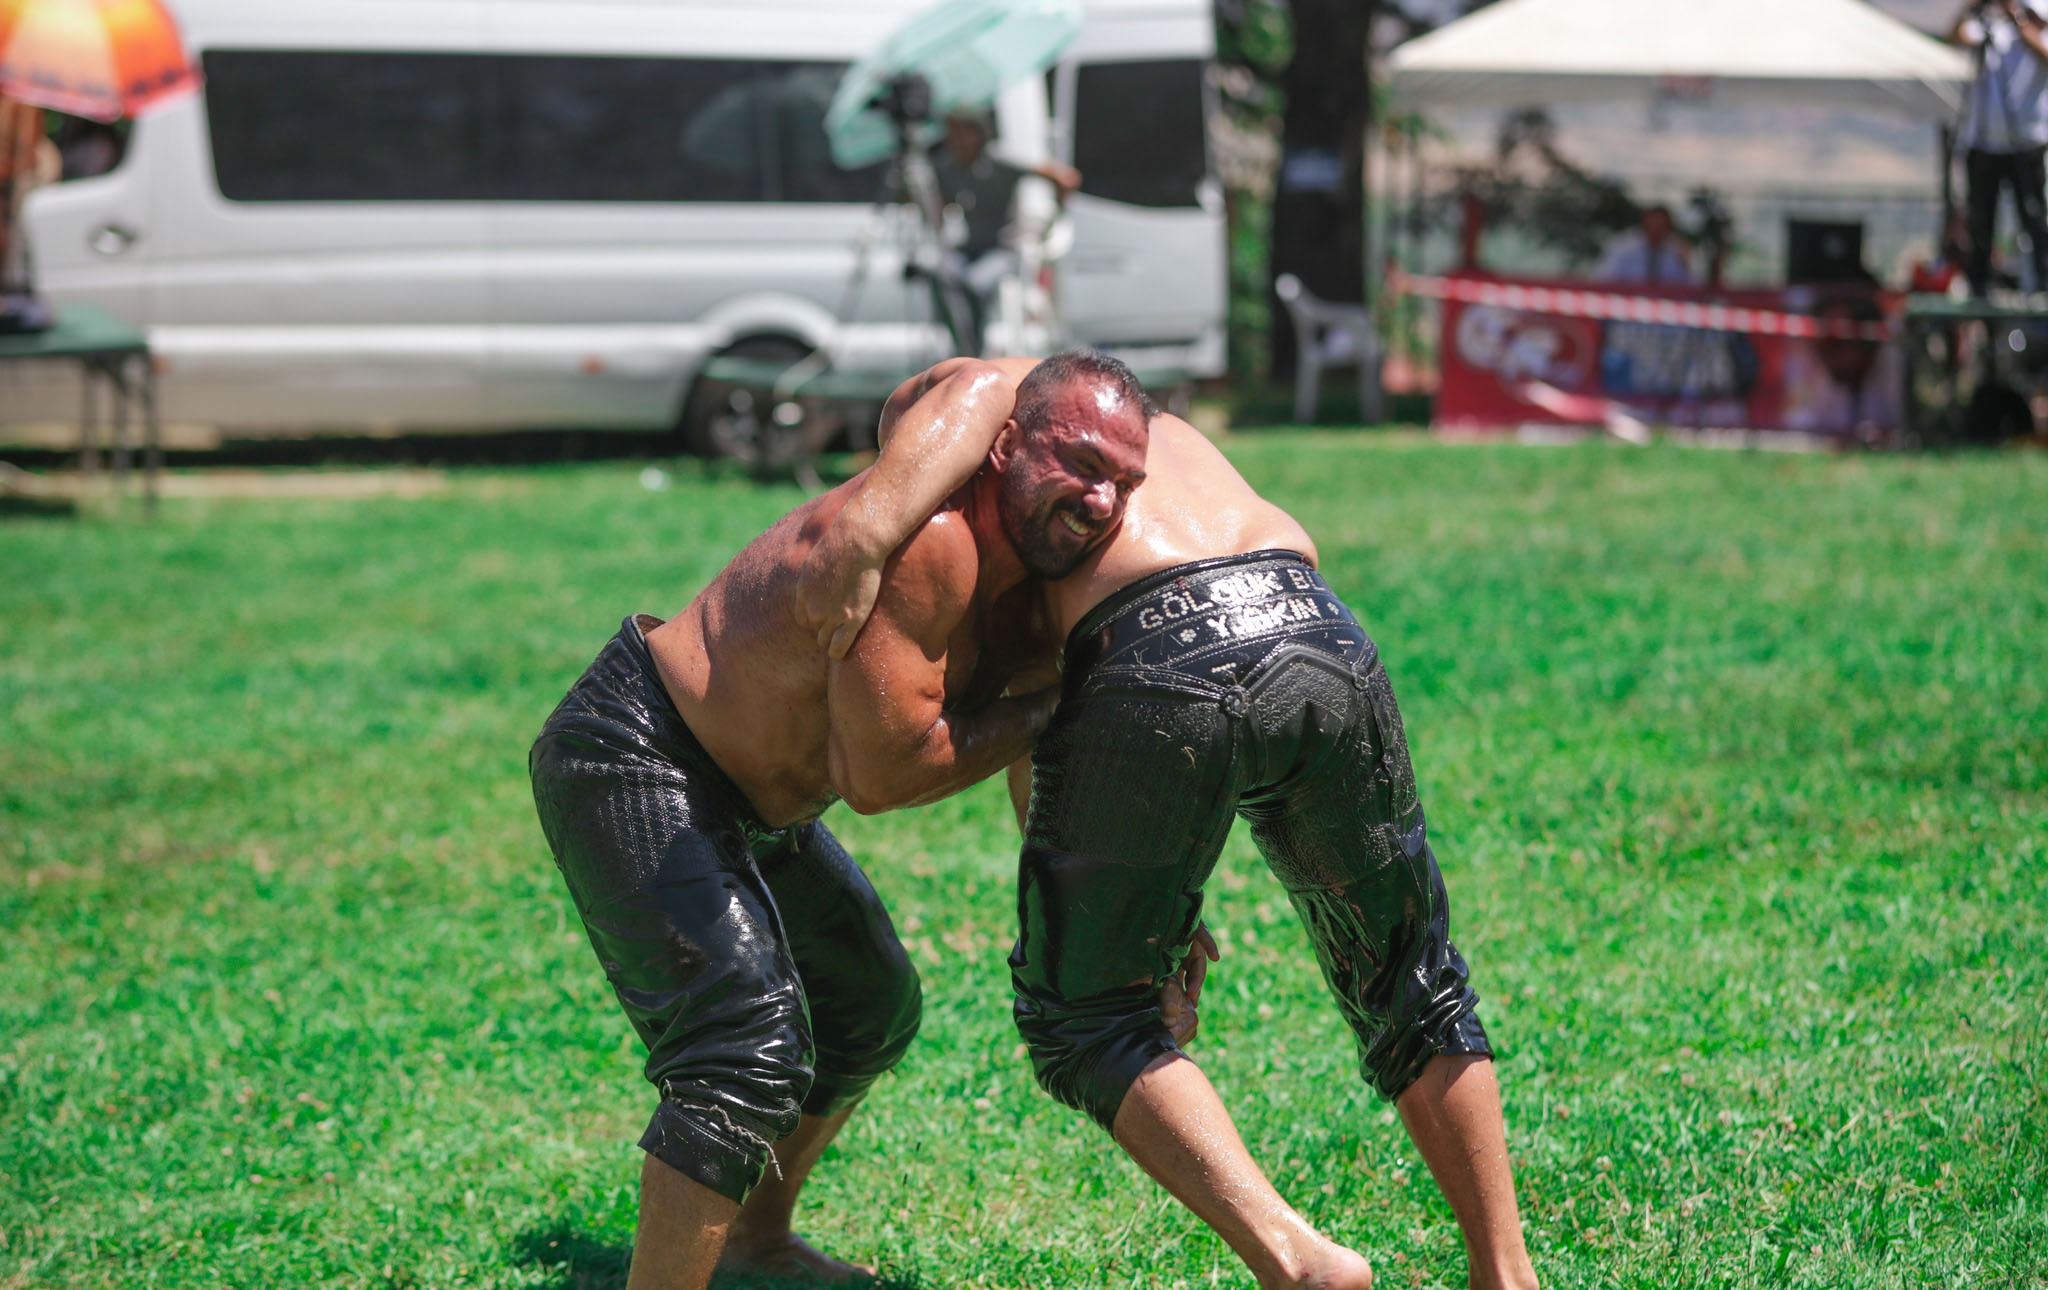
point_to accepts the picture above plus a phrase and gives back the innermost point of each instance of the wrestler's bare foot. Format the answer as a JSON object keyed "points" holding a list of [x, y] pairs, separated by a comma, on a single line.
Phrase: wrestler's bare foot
{"points": [[786, 1257], [1336, 1268]]}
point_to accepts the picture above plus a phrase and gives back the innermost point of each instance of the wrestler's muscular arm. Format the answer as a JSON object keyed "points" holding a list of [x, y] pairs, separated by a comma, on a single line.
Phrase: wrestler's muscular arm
{"points": [[949, 414], [893, 742]]}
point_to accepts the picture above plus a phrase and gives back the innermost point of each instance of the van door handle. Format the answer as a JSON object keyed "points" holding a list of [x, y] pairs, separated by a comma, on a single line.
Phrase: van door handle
{"points": [[111, 239], [1083, 261]]}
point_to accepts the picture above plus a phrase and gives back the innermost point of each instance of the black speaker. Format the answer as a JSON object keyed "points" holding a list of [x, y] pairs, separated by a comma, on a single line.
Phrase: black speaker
{"points": [[1824, 251]]}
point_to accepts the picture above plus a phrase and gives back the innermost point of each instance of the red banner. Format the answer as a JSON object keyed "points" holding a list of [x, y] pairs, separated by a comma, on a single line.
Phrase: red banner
{"points": [[1518, 350]]}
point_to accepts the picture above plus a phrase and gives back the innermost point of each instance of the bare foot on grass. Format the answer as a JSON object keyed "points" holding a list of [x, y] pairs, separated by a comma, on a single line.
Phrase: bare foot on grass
{"points": [[1337, 1267], [788, 1259]]}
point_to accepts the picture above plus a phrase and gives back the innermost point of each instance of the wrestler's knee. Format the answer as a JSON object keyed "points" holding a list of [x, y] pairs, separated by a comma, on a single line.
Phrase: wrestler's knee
{"points": [[707, 1142], [1432, 1007], [731, 1086], [1095, 938], [886, 1019], [1088, 1055], [1400, 982], [719, 1002], [870, 1026], [1395, 1058]]}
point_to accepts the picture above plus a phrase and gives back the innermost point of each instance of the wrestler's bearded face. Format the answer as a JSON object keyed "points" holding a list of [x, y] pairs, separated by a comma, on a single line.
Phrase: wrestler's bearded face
{"points": [[1066, 481]]}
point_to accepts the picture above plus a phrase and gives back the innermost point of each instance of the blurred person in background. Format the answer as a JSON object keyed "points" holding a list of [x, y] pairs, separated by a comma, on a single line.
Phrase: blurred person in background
{"points": [[983, 188], [27, 160], [1650, 252], [87, 147], [2005, 127]]}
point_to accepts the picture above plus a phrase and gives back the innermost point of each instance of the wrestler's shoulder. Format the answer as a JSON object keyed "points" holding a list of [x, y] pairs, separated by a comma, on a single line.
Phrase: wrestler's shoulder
{"points": [[1187, 443], [938, 565], [1013, 368]]}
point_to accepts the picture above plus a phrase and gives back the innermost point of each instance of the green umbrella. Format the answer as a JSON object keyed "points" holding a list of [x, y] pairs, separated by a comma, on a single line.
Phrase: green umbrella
{"points": [[966, 51]]}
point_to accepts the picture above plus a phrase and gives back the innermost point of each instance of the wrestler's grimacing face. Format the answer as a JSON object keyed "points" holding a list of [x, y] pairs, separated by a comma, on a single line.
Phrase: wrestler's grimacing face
{"points": [[1067, 481]]}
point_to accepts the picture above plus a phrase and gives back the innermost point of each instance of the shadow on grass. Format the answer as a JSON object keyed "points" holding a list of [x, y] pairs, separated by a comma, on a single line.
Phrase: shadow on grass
{"points": [[449, 451], [572, 1260], [39, 507], [569, 1259], [886, 1280]]}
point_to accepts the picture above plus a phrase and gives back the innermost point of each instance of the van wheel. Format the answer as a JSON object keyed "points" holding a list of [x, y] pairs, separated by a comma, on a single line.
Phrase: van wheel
{"points": [[721, 419]]}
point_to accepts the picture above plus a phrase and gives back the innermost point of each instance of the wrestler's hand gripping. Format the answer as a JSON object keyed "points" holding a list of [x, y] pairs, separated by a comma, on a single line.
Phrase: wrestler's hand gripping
{"points": [[836, 591], [1180, 992]]}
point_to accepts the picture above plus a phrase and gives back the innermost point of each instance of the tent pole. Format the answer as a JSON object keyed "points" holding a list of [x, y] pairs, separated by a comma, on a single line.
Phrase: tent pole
{"points": [[1945, 135], [1370, 353]]}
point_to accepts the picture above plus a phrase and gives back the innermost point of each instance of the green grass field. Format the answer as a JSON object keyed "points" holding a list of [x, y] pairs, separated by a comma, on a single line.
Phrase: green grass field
{"points": [[1737, 767]]}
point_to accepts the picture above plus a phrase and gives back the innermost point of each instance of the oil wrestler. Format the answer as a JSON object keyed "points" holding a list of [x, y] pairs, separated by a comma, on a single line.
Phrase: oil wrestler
{"points": [[1209, 671], [680, 780]]}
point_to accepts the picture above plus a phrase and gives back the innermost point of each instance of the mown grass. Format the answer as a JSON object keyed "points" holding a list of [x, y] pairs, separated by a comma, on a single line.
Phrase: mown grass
{"points": [[1737, 766]]}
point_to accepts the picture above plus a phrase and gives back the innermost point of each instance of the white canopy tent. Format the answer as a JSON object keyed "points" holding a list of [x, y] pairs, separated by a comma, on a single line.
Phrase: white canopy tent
{"points": [[1836, 53]]}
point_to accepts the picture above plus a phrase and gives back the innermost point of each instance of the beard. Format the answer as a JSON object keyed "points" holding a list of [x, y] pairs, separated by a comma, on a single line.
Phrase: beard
{"points": [[1044, 544]]}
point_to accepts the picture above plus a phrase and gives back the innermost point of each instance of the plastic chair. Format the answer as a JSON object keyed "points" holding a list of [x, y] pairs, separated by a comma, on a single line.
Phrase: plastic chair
{"points": [[1328, 334]]}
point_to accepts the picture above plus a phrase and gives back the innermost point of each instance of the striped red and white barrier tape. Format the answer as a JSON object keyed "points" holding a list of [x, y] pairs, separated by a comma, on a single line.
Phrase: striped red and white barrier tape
{"points": [[1578, 302]]}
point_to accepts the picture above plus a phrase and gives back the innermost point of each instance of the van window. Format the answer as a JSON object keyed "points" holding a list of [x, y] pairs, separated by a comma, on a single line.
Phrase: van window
{"points": [[300, 126], [630, 130], [305, 125], [1138, 131], [674, 130], [797, 95], [85, 147]]}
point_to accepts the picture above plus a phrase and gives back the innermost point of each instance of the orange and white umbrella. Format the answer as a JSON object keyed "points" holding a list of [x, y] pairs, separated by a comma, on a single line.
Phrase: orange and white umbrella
{"points": [[96, 58]]}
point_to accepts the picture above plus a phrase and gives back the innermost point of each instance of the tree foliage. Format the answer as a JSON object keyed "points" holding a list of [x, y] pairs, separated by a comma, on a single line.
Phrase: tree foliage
{"points": [[1301, 69]]}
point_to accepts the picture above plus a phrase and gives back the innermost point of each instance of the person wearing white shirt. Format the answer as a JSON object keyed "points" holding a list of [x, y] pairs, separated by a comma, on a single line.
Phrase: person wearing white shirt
{"points": [[1649, 253], [2005, 128]]}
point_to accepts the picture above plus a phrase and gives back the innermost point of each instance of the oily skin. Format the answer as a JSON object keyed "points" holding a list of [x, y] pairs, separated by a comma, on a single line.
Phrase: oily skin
{"points": [[1195, 506], [907, 716], [916, 710], [1090, 438]]}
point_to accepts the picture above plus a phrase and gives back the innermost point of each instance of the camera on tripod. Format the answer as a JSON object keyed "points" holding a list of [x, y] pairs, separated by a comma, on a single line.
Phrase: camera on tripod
{"points": [[905, 100]]}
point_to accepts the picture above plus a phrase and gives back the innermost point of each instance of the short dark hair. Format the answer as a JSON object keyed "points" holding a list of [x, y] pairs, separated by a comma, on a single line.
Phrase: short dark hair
{"points": [[1035, 393]]}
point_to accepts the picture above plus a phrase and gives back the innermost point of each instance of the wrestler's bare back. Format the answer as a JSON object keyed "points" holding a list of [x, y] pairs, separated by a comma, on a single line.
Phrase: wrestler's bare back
{"points": [[749, 679]]}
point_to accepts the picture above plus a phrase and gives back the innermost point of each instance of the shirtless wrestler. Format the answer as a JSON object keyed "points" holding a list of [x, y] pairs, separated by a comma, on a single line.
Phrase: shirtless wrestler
{"points": [[680, 781], [1209, 671]]}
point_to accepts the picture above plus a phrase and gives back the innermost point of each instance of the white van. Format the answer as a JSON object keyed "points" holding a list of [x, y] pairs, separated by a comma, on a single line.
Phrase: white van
{"points": [[396, 215]]}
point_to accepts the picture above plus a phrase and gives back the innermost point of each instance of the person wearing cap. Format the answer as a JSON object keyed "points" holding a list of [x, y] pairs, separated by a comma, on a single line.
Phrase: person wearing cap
{"points": [[983, 188]]}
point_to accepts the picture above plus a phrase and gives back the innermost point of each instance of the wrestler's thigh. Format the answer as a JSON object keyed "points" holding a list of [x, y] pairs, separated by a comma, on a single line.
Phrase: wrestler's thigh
{"points": [[839, 933], [685, 930], [1349, 844], [1357, 816], [1131, 800]]}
